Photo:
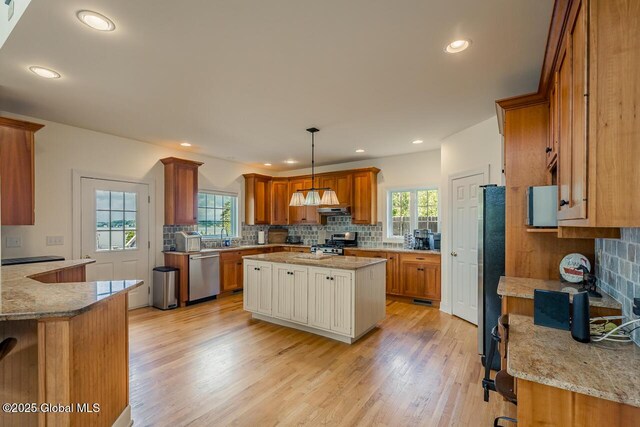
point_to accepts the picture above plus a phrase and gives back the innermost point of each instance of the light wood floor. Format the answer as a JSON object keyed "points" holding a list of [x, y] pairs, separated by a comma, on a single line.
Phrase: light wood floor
{"points": [[211, 364]]}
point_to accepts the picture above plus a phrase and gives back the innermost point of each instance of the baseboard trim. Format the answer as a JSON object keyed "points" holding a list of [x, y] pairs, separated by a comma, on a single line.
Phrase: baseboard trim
{"points": [[327, 334], [124, 420]]}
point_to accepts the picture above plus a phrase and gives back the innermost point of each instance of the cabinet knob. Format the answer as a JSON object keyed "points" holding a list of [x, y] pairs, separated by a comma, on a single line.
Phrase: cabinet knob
{"points": [[563, 202], [548, 150], [454, 253], [328, 277]]}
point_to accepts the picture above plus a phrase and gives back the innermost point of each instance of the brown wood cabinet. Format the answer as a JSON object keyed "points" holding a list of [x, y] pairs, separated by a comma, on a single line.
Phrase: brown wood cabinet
{"points": [[572, 123], [180, 191], [17, 171], [231, 272], [340, 183], [67, 275], [257, 198], [280, 201], [364, 209], [420, 277], [411, 275], [302, 214]]}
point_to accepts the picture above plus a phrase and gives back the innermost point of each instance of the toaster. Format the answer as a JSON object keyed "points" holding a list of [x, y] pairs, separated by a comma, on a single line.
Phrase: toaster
{"points": [[188, 241]]}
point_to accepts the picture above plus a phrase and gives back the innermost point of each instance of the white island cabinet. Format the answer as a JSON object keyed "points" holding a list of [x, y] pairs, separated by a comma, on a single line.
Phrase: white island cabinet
{"points": [[337, 297]]}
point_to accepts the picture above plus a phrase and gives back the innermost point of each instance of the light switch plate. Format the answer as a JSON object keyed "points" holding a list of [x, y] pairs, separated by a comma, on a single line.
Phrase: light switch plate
{"points": [[14, 242], [55, 240]]}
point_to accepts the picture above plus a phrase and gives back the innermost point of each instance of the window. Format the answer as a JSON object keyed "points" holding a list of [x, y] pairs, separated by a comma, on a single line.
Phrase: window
{"points": [[413, 209], [217, 214], [116, 213]]}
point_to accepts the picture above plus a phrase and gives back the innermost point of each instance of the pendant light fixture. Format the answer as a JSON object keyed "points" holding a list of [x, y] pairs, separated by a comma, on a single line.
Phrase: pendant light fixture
{"points": [[313, 198]]}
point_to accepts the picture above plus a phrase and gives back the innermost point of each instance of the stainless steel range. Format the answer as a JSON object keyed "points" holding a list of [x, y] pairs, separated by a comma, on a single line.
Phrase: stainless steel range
{"points": [[337, 243]]}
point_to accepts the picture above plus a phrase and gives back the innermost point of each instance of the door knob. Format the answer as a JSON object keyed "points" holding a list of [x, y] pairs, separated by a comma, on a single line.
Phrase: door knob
{"points": [[563, 202], [454, 253]]}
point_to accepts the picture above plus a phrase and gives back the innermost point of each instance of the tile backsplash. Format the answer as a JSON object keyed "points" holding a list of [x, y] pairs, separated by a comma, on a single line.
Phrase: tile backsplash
{"points": [[618, 270], [368, 235]]}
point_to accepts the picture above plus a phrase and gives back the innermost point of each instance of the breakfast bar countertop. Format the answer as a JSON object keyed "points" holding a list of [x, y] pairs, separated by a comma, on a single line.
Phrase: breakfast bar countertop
{"points": [[552, 357], [521, 287], [22, 297], [338, 262]]}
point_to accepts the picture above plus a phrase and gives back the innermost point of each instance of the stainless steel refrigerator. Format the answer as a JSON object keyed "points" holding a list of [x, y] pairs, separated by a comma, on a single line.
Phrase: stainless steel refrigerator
{"points": [[491, 250]]}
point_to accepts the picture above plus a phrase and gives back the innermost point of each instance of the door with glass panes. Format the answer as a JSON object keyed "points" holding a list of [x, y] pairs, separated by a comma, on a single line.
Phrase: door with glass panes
{"points": [[115, 232]]}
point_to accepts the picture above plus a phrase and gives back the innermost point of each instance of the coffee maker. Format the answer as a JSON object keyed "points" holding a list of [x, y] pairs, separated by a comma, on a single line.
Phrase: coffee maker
{"points": [[422, 239]]}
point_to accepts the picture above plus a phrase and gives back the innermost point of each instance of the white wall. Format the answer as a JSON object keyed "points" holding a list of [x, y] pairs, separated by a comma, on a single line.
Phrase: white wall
{"points": [[476, 148], [405, 171], [61, 149], [6, 26]]}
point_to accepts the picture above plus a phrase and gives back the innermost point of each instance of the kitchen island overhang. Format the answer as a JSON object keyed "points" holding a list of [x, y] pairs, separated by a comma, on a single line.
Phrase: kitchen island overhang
{"points": [[338, 297]]}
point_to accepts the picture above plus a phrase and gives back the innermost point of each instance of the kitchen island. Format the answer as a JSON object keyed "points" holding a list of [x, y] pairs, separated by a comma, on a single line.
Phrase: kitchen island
{"points": [[65, 358], [339, 297]]}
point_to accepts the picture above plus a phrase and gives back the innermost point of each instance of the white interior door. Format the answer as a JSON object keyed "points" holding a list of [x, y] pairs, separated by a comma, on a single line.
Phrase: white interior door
{"points": [[115, 232], [464, 246]]}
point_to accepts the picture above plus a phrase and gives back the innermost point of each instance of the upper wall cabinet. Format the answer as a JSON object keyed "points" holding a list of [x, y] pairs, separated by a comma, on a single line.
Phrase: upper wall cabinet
{"points": [[280, 201], [590, 84], [364, 209], [257, 198], [267, 198], [598, 173], [17, 172], [180, 191]]}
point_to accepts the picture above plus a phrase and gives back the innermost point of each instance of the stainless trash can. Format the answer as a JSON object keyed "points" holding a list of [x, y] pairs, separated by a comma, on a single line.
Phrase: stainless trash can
{"points": [[164, 287]]}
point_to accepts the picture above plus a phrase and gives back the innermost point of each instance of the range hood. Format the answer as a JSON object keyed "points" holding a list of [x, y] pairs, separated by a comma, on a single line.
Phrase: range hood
{"points": [[334, 210]]}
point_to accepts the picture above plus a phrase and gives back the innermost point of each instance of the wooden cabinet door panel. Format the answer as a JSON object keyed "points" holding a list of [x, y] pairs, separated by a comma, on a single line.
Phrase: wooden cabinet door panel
{"points": [[262, 201], [343, 188], [432, 281], [186, 195], [341, 285], [552, 144], [280, 202], [564, 130], [300, 294], [311, 215], [297, 214], [231, 274], [17, 170], [412, 279], [319, 298], [393, 283]]}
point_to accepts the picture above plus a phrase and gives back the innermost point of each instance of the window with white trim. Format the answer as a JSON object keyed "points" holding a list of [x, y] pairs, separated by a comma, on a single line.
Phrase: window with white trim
{"points": [[408, 210], [217, 214]]}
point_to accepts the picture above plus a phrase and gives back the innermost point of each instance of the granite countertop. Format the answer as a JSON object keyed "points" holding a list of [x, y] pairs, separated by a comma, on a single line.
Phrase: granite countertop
{"points": [[23, 298], [325, 261], [520, 287], [239, 248], [550, 356], [397, 250]]}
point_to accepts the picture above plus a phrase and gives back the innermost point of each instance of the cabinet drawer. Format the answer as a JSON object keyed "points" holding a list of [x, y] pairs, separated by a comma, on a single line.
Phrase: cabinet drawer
{"points": [[424, 258], [365, 254]]}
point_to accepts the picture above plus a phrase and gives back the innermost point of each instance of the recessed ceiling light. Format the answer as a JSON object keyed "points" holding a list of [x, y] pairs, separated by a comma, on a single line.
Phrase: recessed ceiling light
{"points": [[291, 162], [267, 164], [185, 144], [457, 46], [418, 141], [95, 20], [44, 72], [359, 150]]}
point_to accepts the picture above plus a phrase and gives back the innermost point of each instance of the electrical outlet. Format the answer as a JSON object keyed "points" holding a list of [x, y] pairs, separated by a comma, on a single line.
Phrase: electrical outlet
{"points": [[55, 240], [14, 242], [636, 306]]}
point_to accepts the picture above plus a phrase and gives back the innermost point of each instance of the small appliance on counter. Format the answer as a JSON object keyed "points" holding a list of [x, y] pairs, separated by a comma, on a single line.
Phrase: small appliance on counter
{"points": [[542, 206], [261, 238], [188, 241], [425, 240], [294, 240], [337, 243]]}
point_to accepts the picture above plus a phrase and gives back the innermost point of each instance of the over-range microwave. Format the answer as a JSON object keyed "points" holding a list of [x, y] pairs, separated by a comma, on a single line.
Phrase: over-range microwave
{"points": [[542, 206]]}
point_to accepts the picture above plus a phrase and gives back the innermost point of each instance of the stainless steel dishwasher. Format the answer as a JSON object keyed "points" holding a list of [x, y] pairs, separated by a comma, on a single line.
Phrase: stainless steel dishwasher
{"points": [[204, 276]]}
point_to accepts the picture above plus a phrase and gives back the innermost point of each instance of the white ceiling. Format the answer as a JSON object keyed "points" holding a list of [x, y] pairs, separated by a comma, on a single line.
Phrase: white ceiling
{"points": [[243, 79]]}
